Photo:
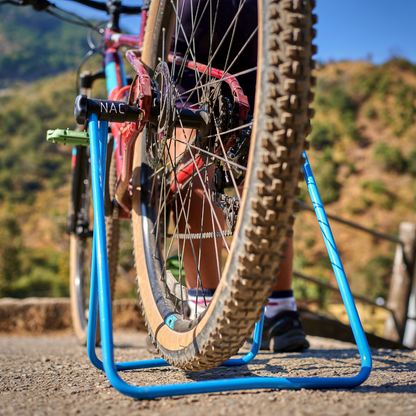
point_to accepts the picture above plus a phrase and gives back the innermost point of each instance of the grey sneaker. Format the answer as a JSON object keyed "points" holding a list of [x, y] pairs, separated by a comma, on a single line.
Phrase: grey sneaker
{"points": [[284, 333]]}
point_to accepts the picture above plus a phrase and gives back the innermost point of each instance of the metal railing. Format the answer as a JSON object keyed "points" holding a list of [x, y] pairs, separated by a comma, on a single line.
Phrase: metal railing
{"points": [[401, 288]]}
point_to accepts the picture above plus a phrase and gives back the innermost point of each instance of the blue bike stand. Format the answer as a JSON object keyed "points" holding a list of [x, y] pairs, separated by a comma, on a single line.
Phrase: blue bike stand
{"points": [[100, 291]]}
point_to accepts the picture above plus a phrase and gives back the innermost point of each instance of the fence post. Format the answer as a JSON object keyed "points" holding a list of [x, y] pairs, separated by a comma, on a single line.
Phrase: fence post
{"points": [[401, 282], [409, 337]]}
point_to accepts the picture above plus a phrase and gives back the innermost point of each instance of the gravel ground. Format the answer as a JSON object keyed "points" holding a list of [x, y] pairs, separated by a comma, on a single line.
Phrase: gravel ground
{"points": [[51, 375]]}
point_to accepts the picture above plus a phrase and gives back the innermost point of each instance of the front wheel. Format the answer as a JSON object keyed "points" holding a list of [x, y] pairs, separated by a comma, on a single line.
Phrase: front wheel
{"points": [[81, 247], [220, 194]]}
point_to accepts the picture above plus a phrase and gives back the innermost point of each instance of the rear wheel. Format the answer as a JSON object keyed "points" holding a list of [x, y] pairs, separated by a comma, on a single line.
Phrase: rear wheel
{"points": [[218, 188], [81, 248]]}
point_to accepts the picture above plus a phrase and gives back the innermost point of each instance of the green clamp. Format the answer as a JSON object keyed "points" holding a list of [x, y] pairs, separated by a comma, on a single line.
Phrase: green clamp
{"points": [[81, 138]]}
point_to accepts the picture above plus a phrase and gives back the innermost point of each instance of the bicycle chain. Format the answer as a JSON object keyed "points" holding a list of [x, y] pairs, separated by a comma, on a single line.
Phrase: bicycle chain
{"points": [[198, 236]]}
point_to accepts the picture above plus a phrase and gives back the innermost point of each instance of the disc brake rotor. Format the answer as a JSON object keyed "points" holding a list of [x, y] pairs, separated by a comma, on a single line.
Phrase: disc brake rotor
{"points": [[157, 137]]}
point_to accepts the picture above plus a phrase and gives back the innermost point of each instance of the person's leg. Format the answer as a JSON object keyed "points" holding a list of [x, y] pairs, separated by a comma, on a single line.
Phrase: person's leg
{"points": [[282, 329], [201, 257], [205, 253], [282, 295]]}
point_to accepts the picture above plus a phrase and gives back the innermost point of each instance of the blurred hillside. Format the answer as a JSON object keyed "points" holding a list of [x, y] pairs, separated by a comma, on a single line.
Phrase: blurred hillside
{"points": [[34, 175], [362, 153], [35, 45]]}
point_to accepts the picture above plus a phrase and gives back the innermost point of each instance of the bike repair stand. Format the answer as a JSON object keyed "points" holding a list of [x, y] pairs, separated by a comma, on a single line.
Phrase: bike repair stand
{"points": [[100, 289]]}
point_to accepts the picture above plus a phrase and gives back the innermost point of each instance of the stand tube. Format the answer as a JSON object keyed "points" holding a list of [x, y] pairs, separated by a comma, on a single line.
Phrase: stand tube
{"points": [[100, 286]]}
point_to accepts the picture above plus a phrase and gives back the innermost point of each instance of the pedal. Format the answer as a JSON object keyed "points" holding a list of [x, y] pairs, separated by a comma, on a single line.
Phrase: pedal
{"points": [[175, 287], [80, 138]]}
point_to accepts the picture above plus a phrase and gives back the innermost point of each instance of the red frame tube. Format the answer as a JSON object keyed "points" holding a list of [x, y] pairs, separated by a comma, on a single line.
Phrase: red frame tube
{"points": [[240, 99]]}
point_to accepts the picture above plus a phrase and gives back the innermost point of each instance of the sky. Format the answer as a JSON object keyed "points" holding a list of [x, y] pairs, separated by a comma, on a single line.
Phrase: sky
{"points": [[375, 30]]}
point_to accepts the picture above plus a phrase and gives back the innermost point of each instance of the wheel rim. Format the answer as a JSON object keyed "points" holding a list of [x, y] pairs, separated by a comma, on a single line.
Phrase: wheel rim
{"points": [[82, 274], [81, 265], [190, 159]]}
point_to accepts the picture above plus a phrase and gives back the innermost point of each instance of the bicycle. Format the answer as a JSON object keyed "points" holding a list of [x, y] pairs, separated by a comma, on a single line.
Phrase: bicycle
{"points": [[246, 164]]}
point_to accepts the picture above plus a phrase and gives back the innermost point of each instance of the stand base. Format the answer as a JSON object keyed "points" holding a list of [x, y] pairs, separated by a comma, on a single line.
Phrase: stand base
{"points": [[100, 293]]}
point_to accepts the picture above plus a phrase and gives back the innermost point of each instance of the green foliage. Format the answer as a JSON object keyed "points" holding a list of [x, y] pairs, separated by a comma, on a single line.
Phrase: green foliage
{"points": [[352, 168], [43, 273], [404, 99], [376, 80], [323, 135], [334, 96], [374, 186], [385, 82], [411, 163], [29, 165], [370, 112], [386, 117], [174, 265], [378, 194], [299, 261], [25, 271], [390, 158], [304, 290], [11, 244], [35, 45], [27, 161], [310, 242], [326, 177], [325, 263], [125, 257], [401, 63], [375, 275]]}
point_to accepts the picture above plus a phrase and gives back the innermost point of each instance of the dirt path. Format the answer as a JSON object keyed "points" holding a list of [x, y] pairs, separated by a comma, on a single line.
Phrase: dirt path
{"points": [[51, 375]]}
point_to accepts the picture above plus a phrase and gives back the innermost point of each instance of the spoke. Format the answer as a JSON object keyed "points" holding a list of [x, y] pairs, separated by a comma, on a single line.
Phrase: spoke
{"points": [[173, 199], [185, 184], [212, 28], [200, 246], [167, 164], [215, 245], [196, 73], [211, 154], [209, 64], [205, 189], [176, 229], [238, 55], [243, 126], [228, 163], [186, 222], [216, 81], [231, 43], [178, 20]]}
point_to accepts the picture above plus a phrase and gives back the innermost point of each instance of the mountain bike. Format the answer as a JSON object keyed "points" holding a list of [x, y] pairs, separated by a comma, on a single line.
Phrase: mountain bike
{"points": [[80, 215], [207, 170]]}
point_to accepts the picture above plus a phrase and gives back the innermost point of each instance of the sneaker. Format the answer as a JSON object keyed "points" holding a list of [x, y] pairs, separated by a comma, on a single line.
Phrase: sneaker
{"points": [[284, 333]]}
